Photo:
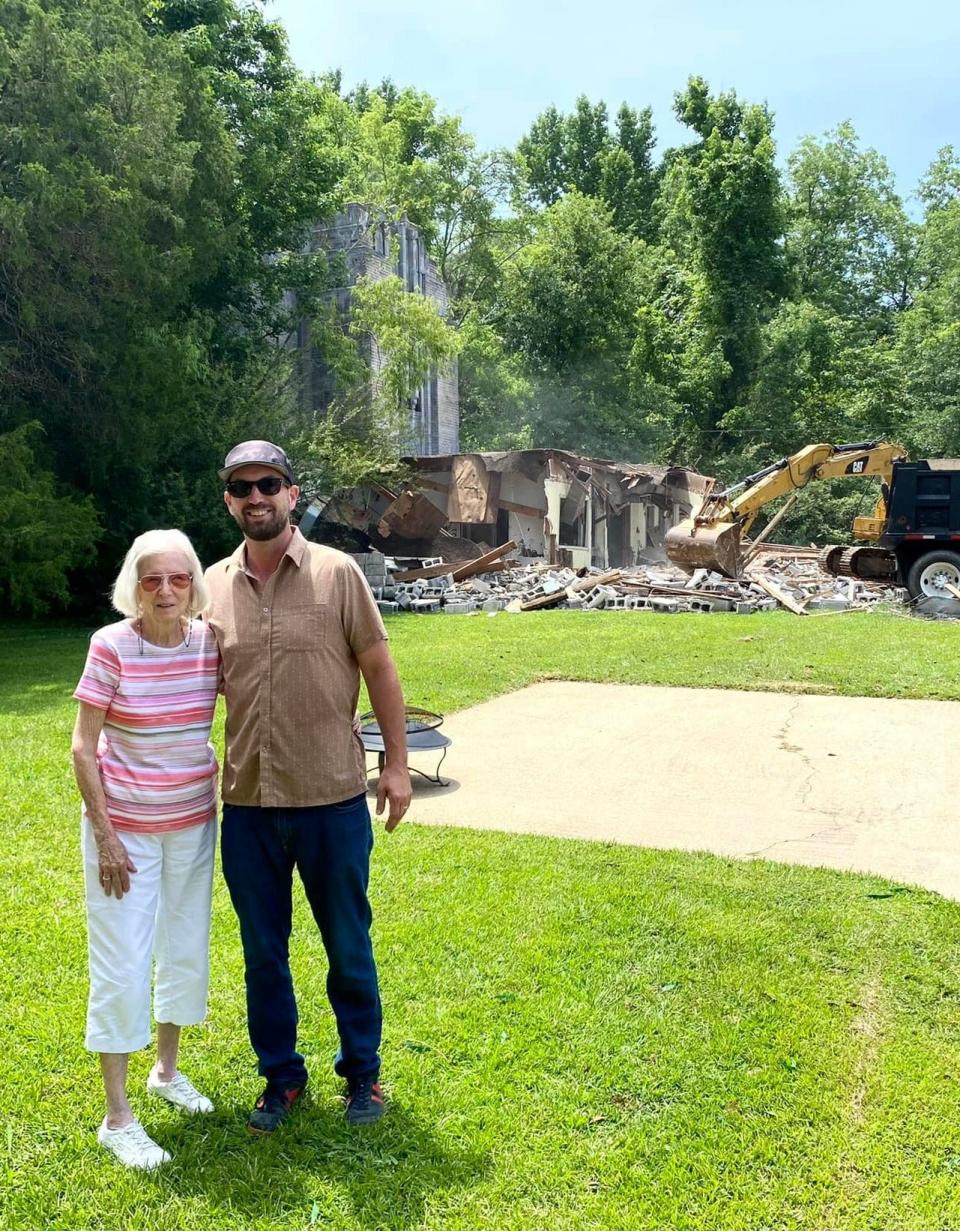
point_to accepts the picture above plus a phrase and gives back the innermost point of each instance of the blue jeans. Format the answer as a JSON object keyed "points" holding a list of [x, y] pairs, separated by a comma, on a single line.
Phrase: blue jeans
{"points": [[330, 848]]}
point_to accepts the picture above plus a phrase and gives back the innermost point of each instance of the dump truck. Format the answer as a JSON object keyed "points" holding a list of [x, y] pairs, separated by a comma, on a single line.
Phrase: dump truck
{"points": [[914, 529]]}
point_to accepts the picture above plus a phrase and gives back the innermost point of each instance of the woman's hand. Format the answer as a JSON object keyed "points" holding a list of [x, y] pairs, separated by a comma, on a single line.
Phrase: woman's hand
{"points": [[115, 866]]}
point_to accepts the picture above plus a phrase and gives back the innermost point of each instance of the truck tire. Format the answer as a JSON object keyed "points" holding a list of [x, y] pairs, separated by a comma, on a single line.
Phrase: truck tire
{"points": [[927, 574]]}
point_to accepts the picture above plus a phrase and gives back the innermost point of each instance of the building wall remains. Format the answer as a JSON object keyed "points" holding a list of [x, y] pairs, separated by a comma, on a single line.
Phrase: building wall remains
{"points": [[363, 242]]}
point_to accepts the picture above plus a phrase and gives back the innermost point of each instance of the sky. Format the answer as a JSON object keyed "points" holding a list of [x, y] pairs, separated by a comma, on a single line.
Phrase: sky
{"points": [[892, 69]]}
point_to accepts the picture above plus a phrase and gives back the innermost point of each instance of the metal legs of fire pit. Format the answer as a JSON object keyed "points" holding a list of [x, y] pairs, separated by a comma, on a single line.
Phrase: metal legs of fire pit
{"points": [[435, 778]]}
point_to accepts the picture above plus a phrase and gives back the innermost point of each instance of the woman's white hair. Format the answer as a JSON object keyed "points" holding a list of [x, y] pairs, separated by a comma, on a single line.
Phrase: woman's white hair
{"points": [[152, 543]]}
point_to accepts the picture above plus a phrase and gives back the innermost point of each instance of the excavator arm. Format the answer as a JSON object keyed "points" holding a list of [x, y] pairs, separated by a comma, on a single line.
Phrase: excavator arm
{"points": [[712, 538]]}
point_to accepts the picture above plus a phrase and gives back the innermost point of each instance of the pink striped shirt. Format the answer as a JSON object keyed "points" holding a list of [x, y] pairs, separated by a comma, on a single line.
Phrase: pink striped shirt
{"points": [[157, 766]]}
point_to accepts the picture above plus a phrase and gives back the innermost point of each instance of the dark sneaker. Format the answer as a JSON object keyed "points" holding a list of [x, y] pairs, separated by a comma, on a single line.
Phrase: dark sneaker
{"points": [[272, 1108], [364, 1100]]}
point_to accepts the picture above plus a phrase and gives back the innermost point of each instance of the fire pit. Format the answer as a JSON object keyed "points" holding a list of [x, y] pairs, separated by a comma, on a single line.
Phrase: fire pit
{"points": [[423, 735]]}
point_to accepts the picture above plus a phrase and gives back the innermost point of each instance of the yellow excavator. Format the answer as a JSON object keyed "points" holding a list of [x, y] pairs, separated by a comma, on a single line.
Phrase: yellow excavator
{"points": [[713, 538]]}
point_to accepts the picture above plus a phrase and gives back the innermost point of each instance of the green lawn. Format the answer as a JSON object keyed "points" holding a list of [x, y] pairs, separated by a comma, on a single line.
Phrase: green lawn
{"points": [[451, 661], [577, 1035]]}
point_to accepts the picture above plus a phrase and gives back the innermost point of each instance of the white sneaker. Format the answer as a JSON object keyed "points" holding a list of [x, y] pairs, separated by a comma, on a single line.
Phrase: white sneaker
{"points": [[180, 1091], [132, 1146]]}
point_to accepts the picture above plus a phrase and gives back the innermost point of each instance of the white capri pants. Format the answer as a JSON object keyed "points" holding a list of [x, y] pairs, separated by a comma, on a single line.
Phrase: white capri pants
{"points": [[165, 917]]}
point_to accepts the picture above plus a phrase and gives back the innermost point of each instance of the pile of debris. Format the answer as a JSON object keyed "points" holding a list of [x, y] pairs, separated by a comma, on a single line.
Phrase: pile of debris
{"points": [[778, 576]]}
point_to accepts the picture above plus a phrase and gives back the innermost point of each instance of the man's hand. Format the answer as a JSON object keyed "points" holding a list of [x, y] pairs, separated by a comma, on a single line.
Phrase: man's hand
{"points": [[380, 676], [394, 788]]}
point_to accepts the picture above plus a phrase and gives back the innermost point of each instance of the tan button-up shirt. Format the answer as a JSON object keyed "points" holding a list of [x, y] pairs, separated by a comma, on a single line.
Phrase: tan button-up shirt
{"points": [[289, 648]]}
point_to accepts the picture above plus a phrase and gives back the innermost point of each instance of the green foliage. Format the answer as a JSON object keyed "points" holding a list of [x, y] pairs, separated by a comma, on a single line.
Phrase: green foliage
{"points": [[334, 456], [542, 157], [568, 307], [677, 367], [151, 163], [721, 208], [850, 245], [825, 369], [814, 381], [497, 395], [411, 161], [756, 317], [579, 153], [408, 339], [568, 296], [401, 339], [927, 351], [45, 534]]}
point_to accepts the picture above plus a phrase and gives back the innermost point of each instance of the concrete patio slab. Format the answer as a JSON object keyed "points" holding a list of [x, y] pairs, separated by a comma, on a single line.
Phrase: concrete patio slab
{"points": [[845, 782]]}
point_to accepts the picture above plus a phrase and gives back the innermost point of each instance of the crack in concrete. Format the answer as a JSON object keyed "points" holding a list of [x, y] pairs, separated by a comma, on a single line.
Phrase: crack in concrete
{"points": [[787, 841], [805, 789]]}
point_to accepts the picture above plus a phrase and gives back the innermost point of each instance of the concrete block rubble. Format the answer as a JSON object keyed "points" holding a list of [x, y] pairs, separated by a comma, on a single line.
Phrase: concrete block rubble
{"points": [[778, 576]]}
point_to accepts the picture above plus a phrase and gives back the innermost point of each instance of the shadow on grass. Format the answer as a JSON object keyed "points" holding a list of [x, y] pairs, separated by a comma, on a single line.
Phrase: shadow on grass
{"points": [[381, 1175]]}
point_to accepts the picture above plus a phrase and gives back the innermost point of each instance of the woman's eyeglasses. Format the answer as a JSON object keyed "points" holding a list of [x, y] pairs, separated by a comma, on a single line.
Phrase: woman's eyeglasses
{"points": [[153, 581], [267, 486]]}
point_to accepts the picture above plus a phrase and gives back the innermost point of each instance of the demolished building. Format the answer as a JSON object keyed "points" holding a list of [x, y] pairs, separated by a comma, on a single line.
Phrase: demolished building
{"points": [[555, 505]]}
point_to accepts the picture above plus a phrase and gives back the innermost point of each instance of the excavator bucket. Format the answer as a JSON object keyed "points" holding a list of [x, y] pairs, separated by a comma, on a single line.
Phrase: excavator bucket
{"points": [[715, 547]]}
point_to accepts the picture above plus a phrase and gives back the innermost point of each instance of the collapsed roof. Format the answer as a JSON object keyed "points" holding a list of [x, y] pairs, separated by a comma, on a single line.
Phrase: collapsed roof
{"points": [[556, 504]]}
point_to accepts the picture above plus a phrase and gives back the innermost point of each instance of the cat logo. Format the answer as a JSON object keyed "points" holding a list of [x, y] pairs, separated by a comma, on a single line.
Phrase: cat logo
{"points": [[857, 467]]}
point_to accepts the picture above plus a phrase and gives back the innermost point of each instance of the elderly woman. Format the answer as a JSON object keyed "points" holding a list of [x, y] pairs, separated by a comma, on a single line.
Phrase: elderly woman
{"points": [[147, 774]]}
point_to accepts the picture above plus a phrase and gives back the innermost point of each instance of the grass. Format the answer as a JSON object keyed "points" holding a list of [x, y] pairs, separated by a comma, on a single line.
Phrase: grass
{"points": [[453, 661], [577, 1035]]}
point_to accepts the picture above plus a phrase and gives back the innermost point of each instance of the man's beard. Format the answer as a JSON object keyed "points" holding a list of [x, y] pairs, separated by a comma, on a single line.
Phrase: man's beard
{"points": [[262, 529]]}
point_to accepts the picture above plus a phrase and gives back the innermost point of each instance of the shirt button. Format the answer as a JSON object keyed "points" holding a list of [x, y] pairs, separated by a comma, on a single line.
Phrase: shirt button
{"points": [[266, 611]]}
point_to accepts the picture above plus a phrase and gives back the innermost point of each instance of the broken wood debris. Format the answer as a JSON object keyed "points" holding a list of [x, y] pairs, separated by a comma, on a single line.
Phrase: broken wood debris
{"points": [[782, 597], [422, 574], [778, 576], [490, 562], [485, 563]]}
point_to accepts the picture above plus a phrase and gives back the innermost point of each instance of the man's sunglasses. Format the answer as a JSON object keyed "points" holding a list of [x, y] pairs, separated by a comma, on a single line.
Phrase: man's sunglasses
{"points": [[267, 486], [153, 581]]}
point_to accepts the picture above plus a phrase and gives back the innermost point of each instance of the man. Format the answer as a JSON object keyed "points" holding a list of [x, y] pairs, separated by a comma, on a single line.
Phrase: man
{"points": [[297, 626]]}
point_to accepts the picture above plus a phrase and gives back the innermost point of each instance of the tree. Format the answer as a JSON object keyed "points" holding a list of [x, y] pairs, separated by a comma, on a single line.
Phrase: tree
{"points": [[580, 153], [677, 368], [568, 294], [722, 222], [824, 368], [497, 394], [154, 161], [587, 139], [815, 380], [410, 336], [410, 160], [727, 197], [850, 246], [45, 534], [568, 307], [542, 155], [927, 351]]}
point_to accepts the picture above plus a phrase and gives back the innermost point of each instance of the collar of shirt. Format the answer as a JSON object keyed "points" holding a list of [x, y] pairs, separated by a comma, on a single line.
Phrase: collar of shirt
{"points": [[295, 549]]}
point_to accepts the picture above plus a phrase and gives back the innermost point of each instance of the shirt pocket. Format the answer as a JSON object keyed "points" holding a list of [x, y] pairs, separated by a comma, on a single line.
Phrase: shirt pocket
{"points": [[301, 629]]}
